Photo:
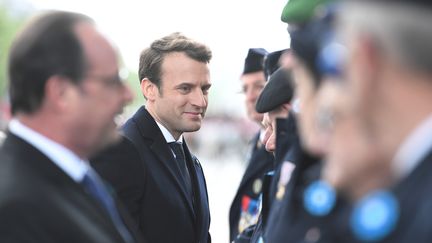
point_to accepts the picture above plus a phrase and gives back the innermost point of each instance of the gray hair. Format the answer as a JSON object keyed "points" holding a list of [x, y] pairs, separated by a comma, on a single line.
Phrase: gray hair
{"points": [[402, 31]]}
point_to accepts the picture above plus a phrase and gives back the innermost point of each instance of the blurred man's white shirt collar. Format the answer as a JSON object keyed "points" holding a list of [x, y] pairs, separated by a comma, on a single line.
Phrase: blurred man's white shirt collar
{"points": [[64, 158], [414, 149], [2, 137], [167, 135]]}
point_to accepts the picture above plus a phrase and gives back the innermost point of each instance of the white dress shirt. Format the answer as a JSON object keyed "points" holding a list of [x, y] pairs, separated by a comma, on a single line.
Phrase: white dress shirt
{"points": [[168, 136], [65, 159]]}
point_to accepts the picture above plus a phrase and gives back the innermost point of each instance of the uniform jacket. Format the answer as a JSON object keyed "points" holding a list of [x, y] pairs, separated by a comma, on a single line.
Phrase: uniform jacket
{"points": [[246, 200], [40, 203], [144, 173], [286, 136], [413, 195], [414, 224]]}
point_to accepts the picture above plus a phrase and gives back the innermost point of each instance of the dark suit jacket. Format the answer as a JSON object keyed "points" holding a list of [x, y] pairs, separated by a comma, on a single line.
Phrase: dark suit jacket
{"points": [[144, 172], [40, 203], [260, 163]]}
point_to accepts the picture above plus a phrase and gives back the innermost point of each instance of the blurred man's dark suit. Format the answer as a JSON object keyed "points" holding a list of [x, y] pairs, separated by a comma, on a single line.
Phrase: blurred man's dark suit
{"points": [[39, 202], [144, 172]]}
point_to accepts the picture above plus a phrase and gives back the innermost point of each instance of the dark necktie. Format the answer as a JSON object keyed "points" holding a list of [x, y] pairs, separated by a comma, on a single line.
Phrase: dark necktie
{"points": [[94, 186], [177, 148]]}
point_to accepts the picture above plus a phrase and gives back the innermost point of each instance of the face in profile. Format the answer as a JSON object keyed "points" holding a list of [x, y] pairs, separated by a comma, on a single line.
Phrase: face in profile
{"points": [[252, 85], [353, 161], [269, 123], [306, 91], [181, 102], [101, 95]]}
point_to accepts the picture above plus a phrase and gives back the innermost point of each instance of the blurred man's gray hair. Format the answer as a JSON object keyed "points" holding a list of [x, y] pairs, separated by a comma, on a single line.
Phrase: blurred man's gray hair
{"points": [[402, 31]]}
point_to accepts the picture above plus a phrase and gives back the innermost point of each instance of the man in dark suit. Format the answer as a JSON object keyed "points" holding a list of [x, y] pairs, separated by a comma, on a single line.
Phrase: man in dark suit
{"points": [[153, 171], [65, 92], [244, 209]]}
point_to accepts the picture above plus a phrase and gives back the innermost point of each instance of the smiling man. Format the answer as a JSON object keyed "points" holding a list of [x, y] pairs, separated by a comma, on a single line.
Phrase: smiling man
{"points": [[152, 170]]}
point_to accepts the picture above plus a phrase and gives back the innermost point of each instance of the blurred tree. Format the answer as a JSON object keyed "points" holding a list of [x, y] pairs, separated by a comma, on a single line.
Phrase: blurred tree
{"points": [[9, 24], [132, 81]]}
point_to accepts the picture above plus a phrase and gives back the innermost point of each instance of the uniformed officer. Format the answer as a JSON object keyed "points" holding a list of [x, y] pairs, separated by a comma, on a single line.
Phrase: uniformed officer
{"points": [[387, 92], [305, 206], [272, 62], [244, 209], [275, 103]]}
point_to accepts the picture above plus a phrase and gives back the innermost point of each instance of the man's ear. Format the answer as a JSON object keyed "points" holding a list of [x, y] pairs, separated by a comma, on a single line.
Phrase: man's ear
{"points": [[369, 58], [58, 92], [149, 89]]}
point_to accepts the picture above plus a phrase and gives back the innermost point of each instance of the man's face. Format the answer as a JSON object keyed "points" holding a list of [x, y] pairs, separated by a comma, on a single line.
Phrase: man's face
{"points": [[352, 157], [182, 100], [269, 123], [355, 159], [252, 85], [100, 97], [362, 77], [306, 93]]}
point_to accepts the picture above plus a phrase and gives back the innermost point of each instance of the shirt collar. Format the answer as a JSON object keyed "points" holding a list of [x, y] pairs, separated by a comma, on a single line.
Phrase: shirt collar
{"points": [[168, 136], [64, 158], [413, 150]]}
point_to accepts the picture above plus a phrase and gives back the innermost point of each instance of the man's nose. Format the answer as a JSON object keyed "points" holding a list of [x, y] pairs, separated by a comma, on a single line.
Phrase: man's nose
{"points": [[199, 99], [270, 145]]}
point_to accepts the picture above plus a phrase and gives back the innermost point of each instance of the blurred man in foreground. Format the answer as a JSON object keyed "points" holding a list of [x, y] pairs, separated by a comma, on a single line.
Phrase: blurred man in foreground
{"points": [[65, 92], [388, 92]]}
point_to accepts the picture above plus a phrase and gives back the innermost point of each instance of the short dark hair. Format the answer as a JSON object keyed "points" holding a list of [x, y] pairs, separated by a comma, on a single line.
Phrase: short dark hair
{"points": [[152, 57], [47, 46]]}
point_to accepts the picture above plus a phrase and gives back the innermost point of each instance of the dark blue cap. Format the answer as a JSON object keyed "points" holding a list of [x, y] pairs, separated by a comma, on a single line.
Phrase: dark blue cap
{"points": [[308, 41], [271, 62], [278, 91], [254, 61]]}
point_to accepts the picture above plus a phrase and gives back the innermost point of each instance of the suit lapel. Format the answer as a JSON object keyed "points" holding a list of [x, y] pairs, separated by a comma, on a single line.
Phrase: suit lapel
{"points": [[152, 136], [200, 194], [128, 221], [413, 193], [29, 157]]}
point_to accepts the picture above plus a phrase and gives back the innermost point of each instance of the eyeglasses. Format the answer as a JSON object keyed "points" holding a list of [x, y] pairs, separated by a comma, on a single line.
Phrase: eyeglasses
{"points": [[114, 82]]}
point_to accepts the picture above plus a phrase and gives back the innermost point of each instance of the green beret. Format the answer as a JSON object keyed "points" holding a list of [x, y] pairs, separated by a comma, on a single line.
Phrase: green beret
{"points": [[300, 11]]}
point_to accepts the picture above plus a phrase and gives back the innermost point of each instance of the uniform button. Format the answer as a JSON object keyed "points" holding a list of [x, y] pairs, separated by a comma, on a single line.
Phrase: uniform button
{"points": [[313, 235]]}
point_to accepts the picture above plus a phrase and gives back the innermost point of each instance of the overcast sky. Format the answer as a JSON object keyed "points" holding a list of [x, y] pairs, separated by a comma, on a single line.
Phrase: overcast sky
{"points": [[229, 27]]}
